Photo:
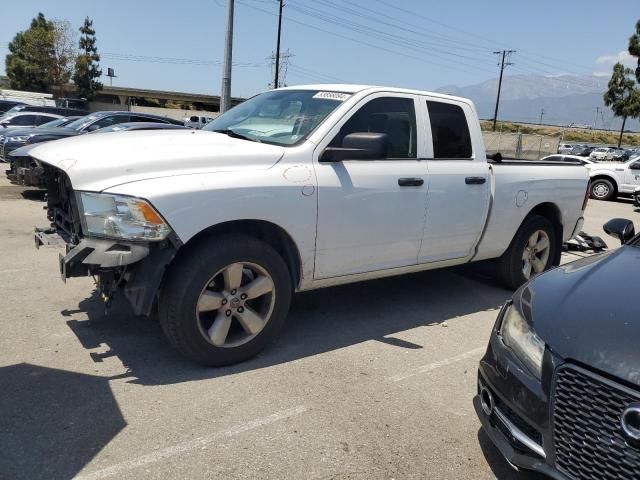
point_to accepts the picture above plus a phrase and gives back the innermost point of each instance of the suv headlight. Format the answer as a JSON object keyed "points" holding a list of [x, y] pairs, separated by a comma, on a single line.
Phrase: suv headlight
{"points": [[119, 216], [19, 139], [518, 335]]}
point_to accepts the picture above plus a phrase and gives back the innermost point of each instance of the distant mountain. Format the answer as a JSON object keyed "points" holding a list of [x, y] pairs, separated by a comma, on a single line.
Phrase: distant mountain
{"points": [[565, 99]]}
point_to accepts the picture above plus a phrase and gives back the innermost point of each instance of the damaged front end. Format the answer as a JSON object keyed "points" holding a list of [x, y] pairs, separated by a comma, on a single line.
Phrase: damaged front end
{"points": [[134, 266], [25, 170]]}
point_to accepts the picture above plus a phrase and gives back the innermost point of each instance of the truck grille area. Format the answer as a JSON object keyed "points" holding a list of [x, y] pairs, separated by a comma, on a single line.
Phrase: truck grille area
{"points": [[62, 210], [588, 439]]}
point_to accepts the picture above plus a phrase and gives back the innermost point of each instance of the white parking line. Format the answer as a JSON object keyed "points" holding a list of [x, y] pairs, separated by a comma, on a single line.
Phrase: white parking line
{"points": [[16, 270], [435, 365], [172, 451]]}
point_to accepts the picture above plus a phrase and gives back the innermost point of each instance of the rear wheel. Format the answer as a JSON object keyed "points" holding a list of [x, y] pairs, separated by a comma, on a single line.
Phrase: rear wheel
{"points": [[531, 252], [602, 189], [225, 300]]}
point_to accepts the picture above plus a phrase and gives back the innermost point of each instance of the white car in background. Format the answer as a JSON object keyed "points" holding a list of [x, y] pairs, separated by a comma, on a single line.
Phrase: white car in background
{"points": [[196, 121], [564, 148], [603, 153], [610, 179]]}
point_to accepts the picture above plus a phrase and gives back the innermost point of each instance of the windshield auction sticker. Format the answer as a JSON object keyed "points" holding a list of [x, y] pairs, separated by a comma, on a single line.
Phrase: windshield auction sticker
{"points": [[338, 96]]}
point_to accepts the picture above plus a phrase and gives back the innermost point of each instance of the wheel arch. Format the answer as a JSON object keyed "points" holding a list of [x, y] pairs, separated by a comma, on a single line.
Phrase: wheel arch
{"points": [[551, 212], [604, 176], [270, 233]]}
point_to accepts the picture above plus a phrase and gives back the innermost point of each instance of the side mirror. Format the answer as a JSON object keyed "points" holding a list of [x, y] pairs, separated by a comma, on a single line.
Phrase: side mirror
{"points": [[620, 228], [358, 146], [635, 166], [93, 128]]}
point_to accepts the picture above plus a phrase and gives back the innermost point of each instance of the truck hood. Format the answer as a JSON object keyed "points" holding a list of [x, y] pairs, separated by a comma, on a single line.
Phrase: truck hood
{"points": [[586, 311], [98, 162]]}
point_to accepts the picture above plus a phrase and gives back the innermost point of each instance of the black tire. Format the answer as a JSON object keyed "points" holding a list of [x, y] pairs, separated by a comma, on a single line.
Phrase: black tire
{"points": [[599, 186], [191, 273], [510, 265]]}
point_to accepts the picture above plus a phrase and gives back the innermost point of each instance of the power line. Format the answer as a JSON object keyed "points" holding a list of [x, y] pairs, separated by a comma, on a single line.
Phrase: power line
{"points": [[419, 46]]}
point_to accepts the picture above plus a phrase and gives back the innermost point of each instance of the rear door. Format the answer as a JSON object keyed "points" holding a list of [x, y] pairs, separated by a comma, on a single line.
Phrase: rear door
{"points": [[458, 196], [371, 212]]}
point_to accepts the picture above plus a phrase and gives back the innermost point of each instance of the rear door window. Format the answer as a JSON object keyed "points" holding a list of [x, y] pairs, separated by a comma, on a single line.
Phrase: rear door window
{"points": [[449, 130]]}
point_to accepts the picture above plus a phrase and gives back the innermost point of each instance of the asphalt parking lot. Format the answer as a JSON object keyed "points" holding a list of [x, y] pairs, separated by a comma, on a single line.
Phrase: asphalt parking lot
{"points": [[368, 381]]}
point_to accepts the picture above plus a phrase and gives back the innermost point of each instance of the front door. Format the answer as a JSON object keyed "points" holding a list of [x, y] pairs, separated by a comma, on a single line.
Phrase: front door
{"points": [[371, 212]]}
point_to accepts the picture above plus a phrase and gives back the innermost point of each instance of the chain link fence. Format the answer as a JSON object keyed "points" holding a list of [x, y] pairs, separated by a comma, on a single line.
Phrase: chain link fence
{"points": [[519, 145]]}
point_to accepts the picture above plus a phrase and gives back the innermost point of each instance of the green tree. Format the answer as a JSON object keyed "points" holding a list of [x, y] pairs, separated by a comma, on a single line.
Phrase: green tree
{"points": [[28, 64], [64, 55], [87, 71], [622, 95], [634, 48]]}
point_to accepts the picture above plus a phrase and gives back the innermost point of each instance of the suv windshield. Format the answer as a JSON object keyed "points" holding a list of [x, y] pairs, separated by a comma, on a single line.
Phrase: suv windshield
{"points": [[279, 117]]}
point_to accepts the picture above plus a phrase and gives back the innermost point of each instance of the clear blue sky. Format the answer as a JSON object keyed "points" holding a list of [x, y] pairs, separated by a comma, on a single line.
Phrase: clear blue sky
{"points": [[414, 43]]}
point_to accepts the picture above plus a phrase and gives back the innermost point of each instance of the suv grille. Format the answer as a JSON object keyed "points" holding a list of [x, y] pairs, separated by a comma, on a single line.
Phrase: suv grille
{"points": [[587, 434]]}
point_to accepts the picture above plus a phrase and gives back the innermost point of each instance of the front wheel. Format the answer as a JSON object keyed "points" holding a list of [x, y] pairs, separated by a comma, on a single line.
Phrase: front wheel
{"points": [[602, 189], [531, 252], [225, 300]]}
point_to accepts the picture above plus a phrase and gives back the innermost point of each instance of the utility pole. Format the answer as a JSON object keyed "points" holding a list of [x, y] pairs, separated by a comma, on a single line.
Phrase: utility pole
{"points": [[541, 114], [225, 95], [595, 119], [506, 54], [277, 74]]}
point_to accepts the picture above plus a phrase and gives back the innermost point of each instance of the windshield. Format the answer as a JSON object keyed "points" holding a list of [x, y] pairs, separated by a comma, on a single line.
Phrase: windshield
{"points": [[81, 122], [279, 117]]}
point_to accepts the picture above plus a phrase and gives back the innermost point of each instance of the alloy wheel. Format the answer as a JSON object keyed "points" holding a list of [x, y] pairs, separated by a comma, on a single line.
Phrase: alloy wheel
{"points": [[236, 304], [536, 253]]}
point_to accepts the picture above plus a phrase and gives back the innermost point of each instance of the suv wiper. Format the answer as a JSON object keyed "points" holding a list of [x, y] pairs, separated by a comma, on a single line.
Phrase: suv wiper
{"points": [[233, 134]]}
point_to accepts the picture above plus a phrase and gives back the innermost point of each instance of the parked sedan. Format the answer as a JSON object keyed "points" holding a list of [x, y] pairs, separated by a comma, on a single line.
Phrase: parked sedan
{"points": [[559, 385], [583, 151], [602, 153]]}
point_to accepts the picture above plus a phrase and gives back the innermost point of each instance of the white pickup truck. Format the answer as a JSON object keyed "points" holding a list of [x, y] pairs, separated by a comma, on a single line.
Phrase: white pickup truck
{"points": [[295, 189], [610, 179]]}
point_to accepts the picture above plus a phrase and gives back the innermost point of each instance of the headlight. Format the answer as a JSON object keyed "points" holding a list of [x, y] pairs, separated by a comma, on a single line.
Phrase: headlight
{"points": [[123, 217], [19, 139], [518, 335]]}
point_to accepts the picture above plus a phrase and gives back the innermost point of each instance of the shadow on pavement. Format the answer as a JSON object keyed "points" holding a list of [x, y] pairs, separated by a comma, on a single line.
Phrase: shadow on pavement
{"points": [[499, 466], [319, 321], [53, 422]]}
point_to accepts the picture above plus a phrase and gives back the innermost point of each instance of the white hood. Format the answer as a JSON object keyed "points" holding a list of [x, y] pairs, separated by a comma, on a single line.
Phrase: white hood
{"points": [[98, 161]]}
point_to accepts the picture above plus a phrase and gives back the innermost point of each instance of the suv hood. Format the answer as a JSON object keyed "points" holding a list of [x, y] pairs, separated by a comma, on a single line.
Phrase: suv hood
{"points": [[587, 311], [98, 162]]}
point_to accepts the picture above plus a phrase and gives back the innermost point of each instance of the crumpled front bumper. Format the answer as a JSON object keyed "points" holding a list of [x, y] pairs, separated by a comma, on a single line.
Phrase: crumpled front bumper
{"points": [[137, 267]]}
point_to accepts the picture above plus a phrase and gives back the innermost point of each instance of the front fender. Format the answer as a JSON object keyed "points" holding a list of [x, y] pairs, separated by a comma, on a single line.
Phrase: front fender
{"points": [[284, 195]]}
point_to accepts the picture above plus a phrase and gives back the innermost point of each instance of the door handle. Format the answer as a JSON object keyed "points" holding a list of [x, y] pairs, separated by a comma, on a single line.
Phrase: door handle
{"points": [[410, 182], [475, 180]]}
